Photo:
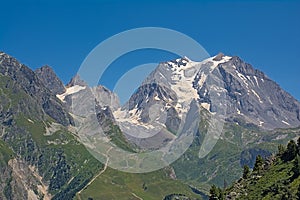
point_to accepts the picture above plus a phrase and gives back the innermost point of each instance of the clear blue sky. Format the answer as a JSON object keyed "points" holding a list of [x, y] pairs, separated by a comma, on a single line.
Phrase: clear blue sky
{"points": [[61, 33]]}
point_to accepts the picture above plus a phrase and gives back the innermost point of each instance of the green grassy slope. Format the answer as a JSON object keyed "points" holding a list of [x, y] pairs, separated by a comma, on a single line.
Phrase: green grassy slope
{"points": [[113, 184], [5, 154], [277, 180], [274, 184]]}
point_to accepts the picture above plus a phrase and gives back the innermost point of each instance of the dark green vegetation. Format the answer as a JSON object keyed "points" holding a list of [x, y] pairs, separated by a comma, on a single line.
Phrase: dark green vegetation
{"points": [[276, 177]]}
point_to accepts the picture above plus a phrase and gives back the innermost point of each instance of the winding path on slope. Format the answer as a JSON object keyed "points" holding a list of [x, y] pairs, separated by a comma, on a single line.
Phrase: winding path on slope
{"points": [[136, 196], [101, 172]]}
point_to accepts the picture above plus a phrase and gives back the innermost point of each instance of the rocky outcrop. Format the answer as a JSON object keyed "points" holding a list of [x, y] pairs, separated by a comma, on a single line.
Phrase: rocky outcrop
{"points": [[20, 181], [29, 82], [50, 80]]}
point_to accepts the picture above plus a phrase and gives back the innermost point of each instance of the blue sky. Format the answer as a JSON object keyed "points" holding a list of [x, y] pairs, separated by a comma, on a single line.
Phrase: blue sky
{"points": [[62, 33]]}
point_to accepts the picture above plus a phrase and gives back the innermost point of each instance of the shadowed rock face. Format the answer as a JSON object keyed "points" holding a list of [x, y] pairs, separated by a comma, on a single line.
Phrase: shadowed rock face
{"points": [[50, 80], [256, 98], [219, 57], [30, 83], [76, 80]]}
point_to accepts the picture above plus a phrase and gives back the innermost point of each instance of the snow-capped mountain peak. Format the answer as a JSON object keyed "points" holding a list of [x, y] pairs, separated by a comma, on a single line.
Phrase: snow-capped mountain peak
{"points": [[216, 82]]}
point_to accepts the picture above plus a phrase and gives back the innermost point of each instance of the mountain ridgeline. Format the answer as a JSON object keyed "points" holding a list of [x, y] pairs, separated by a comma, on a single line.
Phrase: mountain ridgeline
{"points": [[42, 156]]}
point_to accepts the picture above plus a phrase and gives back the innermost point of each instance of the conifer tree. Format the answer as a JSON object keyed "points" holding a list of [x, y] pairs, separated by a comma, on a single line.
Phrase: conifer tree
{"points": [[246, 172], [221, 194], [298, 193], [258, 166], [291, 151], [281, 150], [213, 193], [296, 167], [298, 145]]}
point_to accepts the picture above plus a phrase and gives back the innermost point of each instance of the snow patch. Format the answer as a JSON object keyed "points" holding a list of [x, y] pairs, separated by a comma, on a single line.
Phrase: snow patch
{"points": [[270, 101], [119, 114], [156, 98], [202, 79], [258, 97], [256, 80], [182, 80], [127, 119], [216, 63], [71, 90], [242, 77], [285, 122], [249, 78], [206, 106], [261, 123], [182, 83]]}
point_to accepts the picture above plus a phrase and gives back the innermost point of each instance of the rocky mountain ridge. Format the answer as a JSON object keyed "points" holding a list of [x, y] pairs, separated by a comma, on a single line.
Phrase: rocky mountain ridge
{"points": [[34, 87], [39, 126]]}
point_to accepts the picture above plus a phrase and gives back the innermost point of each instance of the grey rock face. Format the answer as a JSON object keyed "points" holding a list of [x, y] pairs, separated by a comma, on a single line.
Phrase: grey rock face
{"points": [[105, 97], [105, 117], [251, 95], [172, 121], [76, 80], [149, 96], [32, 85], [50, 80], [88, 95], [218, 57]]}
